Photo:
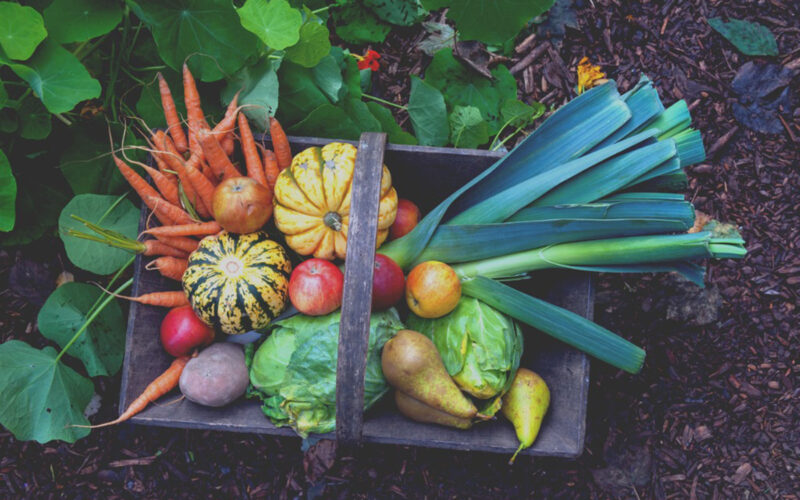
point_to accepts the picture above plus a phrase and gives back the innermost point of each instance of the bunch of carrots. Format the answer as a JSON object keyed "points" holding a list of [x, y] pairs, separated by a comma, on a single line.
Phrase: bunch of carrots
{"points": [[191, 163]]}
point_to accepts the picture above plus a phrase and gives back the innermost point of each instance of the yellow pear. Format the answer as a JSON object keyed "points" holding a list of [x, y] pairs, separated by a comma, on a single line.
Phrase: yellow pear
{"points": [[419, 411], [524, 405]]}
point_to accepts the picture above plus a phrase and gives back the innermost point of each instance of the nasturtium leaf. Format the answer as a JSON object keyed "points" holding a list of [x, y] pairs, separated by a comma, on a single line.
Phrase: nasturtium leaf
{"points": [[259, 91], [80, 20], [106, 211], [428, 114], [351, 75], [752, 39], [518, 114], [8, 194], [328, 77], [21, 30], [399, 12], [314, 44], [89, 168], [327, 121], [9, 120], [300, 95], [275, 22], [463, 87], [102, 344], [467, 127], [355, 24], [41, 397], [490, 21], [38, 207], [57, 77], [396, 135], [3, 96], [207, 30], [148, 106], [35, 120], [358, 111]]}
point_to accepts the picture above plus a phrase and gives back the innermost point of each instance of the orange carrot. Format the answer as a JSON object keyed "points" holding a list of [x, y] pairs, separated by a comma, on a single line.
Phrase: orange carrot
{"points": [[154, 248], [194, 229], [171, 114], [250, 152], [174, 160], [280, 144], [183, 243], [215, 156], [196, 118], [208, 172], [169, 267], [163, 208], [160, 299], [271, 169], [157, 388], [145, 190], [164, 168], [225, 126], [202, 186], [168, 189]]}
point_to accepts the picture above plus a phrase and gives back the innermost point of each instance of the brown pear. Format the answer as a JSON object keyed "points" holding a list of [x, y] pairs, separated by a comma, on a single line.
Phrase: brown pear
{"points": [[412, 365], [419, 411]]}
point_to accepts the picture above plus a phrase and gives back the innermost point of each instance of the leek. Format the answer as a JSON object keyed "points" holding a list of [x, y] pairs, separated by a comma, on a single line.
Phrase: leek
{"points": [[601, 254], [557, 322]]}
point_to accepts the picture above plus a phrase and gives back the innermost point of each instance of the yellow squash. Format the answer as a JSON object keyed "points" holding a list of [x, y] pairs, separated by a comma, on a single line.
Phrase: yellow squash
{"points": [[312, 201]]}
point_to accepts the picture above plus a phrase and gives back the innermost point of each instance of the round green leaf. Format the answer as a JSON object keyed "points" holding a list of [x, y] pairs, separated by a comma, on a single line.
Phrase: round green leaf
{"points": [[314, 44], [8, 194], [35, 119], [108, 212], [259, 90], [399, 12], [428, 114], [9, 120], [41, 397], [89, 168], [3, 96], [57, 78], [80, 20], [467, 127], [355, 24], [102, 345], [207, 34], [38, 206], [21, 30], [275, 22], [490, 21]]}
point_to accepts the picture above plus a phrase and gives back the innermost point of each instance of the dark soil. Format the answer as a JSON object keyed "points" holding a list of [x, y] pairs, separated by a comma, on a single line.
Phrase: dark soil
{"points": [[714, 414]]}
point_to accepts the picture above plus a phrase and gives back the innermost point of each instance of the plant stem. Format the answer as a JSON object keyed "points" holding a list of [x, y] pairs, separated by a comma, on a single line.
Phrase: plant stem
{"points": [[321, 9], [92, 317], [383, 101], [113, 280]]}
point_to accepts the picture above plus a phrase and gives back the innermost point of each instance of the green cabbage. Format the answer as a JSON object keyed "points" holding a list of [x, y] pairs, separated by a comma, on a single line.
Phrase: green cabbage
{"points": [[294, 370], [480, 346]]}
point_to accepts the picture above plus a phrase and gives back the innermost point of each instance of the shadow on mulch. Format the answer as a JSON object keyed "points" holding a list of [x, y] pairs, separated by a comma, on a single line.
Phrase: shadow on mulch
{"points": [[715, 412]]}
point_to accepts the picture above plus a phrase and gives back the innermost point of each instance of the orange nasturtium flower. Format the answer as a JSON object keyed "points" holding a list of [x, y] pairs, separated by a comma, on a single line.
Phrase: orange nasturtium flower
{"points": [[589, 75], [368, 60]]}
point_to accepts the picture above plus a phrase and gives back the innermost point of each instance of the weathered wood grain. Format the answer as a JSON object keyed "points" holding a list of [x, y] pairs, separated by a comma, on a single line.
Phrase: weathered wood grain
{"points": [[357, 298]]}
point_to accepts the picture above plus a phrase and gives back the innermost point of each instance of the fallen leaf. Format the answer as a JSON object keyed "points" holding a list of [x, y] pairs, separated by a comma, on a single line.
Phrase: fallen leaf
{"points": [[751, 39], [764, 93], [440, 36], [319, 459]]}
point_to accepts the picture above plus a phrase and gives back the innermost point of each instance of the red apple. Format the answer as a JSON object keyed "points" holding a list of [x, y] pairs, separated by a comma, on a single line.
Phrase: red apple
{"points": [[388, 283], [315, 287], [241, 205], [182, 331], [406, 219]]}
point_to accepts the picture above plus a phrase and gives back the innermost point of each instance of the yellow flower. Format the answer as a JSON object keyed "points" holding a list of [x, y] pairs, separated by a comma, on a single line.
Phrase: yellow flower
{"points": [[589, 75]]}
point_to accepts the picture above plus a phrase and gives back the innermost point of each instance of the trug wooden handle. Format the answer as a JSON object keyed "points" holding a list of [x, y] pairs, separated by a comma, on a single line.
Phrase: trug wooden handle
{"points": [[357, 298]]}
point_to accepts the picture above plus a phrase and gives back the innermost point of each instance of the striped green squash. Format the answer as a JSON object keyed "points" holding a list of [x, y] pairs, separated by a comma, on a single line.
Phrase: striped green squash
{"points": [[238, 282]]}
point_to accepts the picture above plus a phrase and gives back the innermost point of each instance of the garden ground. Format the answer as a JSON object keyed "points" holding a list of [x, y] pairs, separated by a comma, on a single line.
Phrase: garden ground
{"points": [[714, 414]]}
